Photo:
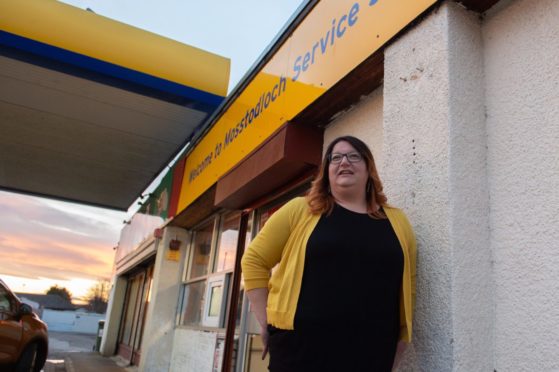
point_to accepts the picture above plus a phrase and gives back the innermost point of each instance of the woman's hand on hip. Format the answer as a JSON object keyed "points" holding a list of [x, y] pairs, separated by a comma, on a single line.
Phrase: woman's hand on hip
{"points": [[258, 298], [265, 339]]}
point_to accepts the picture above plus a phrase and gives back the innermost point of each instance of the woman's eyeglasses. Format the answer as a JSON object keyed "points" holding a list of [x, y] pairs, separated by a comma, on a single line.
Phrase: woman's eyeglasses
{"points": [[352, 157]]}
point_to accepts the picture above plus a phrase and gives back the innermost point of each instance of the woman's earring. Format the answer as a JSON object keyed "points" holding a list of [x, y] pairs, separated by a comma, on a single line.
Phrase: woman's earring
{"points": [[329, 191], [368, 185]]}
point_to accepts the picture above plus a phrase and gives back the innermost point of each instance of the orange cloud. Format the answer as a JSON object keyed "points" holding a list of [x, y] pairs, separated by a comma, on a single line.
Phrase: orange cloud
{"points": [[38, 240]]}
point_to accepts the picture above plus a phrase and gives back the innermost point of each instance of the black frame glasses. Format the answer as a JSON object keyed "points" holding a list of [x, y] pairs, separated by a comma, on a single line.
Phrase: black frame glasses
{"points": [[352, 157]]}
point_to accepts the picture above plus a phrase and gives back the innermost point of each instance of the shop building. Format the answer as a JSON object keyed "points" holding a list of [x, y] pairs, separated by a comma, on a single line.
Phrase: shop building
{"points": [[458, 101]]}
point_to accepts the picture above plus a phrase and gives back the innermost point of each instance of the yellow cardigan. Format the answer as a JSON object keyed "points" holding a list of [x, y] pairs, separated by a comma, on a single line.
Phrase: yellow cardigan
{"points": [[283, 240]]}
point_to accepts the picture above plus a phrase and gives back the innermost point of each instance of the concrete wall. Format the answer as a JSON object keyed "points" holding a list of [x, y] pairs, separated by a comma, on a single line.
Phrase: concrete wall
{"points": [[87, 322], [115, 307], [521, 49], [363, 121], [435, 168], [59, 321], [72, 321], [157, 342], [193, 351]]}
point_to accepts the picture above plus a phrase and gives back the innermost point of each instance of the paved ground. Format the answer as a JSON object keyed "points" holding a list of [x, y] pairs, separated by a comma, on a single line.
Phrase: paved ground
{"points": [[71, 342], [73, 352], [62, 343], [94, 362]]}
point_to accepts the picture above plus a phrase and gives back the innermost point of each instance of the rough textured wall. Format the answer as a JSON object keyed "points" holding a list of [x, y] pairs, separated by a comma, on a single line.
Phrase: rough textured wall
{"points": [[193, 351], [472, 272], [416, 177], [115, 308], [435, 168], [521, 41], [157, 340], [363, 121]]}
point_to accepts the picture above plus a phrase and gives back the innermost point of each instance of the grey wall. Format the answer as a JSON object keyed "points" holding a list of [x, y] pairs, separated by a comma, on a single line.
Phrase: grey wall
{"points": [[521, 56], [435, 168], [157, 343]]}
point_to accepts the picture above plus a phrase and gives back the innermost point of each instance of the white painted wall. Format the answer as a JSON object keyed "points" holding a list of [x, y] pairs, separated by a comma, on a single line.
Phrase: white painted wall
{"points": [[87, 322], [435, 169], [72, 321], [59, 321], [115, 307], [364, 121], [157, 341], [416, 177], [521, 40], [193, 351]]}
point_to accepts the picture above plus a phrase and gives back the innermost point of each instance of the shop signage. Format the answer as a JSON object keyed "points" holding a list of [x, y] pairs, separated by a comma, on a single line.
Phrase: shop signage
{"points": [[157, 204], [332, 40]]}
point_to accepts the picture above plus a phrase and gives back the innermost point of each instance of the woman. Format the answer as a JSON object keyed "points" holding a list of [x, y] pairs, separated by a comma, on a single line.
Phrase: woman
{"points": [[341, 298]]}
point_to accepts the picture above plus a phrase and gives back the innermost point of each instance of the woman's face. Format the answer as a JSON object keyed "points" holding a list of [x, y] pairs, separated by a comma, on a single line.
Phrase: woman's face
{"points": [[347, 175]]}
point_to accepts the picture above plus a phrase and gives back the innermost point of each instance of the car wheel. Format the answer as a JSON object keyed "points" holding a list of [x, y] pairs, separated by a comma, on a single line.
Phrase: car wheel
{"points": [[28, 360]]}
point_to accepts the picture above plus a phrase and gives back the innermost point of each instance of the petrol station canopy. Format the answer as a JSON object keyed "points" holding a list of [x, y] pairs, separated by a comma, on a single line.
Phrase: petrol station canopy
{"points": [[92, 110]]}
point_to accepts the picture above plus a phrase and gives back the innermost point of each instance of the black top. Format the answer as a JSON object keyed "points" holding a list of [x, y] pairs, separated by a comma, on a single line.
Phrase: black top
{"points": [[353, 270], [351, 289]]}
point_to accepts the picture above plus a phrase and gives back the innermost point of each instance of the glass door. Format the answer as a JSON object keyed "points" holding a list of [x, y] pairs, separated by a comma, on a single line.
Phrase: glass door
{"points": [[134, 313]]}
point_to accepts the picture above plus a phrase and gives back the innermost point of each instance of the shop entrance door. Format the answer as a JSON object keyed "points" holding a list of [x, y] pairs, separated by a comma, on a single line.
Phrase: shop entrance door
{"points": [[249, 345], [134, 314]]}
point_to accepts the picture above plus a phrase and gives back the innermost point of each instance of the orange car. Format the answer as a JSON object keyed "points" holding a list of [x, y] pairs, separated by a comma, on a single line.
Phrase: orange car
{"points": [[23, 336]]}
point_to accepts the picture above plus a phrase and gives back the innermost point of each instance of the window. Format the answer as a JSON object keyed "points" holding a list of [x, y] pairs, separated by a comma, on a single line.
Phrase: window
{"points": [[202, 247], [210, 267], [4, 301], [7, 304], [228, 236], [214, 308], [193, 299]]}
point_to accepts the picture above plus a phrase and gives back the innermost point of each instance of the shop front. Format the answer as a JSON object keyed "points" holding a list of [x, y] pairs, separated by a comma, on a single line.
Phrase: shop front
{"points": [[260, 151], [213, 309], [215, 302], [407, 78], [264, 149]]}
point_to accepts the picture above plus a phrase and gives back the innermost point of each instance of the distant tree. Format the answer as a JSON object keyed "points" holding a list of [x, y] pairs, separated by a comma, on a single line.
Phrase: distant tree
{"points": [[98, 296], [61, 292]]}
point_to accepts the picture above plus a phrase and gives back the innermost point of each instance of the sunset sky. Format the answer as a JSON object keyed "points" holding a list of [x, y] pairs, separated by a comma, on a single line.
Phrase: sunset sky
{"points": [[45, 242]]}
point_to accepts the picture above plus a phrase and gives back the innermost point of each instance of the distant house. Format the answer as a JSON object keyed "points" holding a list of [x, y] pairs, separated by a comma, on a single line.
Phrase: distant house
{"points": [[60, 315], [47, 301]]}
